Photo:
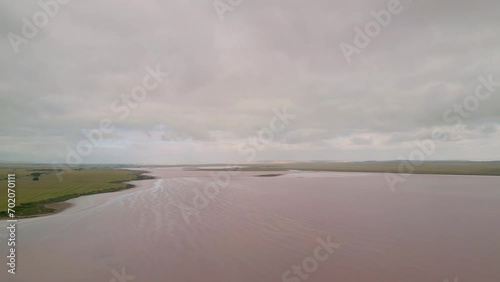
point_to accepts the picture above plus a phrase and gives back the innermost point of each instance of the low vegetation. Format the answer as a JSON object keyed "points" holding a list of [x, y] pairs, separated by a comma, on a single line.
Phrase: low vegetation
{"points": [[428, 167], [32, 197]]}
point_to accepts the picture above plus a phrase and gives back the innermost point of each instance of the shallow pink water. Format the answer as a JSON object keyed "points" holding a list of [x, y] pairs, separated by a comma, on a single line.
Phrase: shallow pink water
{"points": [[430, 229]]}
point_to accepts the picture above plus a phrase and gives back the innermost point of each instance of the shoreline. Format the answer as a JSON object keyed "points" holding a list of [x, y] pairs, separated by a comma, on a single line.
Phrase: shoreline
{"points": [[352, 171], [56, 205], [460, 168]]}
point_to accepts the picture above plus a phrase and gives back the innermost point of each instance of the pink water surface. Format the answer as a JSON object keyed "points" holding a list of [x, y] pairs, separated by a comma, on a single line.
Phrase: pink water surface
{"points": [[429, 229]]}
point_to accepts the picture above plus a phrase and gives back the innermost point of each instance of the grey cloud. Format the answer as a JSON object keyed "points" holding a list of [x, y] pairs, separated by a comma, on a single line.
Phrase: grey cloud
{"points": [[228, 76]]}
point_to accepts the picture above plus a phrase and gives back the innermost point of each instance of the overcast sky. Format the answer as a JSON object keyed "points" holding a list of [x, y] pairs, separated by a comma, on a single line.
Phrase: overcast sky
{"points": [[229, 73]]}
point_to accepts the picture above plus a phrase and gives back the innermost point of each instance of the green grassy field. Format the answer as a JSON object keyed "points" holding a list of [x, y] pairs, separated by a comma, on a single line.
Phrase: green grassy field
{"points": [[32, 196], [428, 167]]}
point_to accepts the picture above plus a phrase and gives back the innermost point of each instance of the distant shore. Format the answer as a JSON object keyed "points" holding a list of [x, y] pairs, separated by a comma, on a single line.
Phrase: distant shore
{"points": [[488, 168]]}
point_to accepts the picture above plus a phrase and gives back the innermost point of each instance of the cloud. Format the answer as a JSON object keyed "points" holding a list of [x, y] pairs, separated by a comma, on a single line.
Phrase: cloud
{"points": [[226, 77]]}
